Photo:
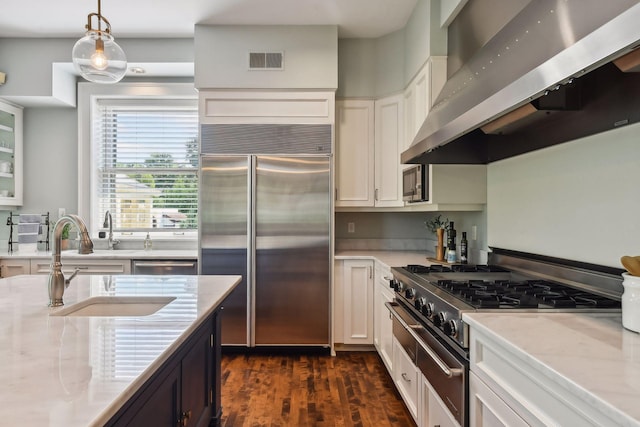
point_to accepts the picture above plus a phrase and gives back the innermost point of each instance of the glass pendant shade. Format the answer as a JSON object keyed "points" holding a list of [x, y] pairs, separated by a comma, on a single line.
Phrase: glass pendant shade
{"points": [[98, 58]]}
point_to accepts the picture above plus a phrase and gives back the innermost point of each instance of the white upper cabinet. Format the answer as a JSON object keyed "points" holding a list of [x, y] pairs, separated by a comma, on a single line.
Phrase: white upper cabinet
{"points": [[355, 140], [370, 138], [368, 147], [388, 146], [420, 95], [10, 155]]}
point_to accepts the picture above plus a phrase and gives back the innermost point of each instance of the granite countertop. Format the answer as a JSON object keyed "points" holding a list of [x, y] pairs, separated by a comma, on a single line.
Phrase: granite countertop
{"points": [[389, 258], [590, 355], [110, 254], [78, 371]]}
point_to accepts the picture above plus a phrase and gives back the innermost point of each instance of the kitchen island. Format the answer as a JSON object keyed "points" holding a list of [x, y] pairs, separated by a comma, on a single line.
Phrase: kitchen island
{"points": [[97, 370]]}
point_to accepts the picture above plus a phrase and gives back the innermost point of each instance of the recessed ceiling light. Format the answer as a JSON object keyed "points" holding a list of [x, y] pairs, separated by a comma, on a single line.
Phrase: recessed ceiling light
{"points": [[137, 70]]}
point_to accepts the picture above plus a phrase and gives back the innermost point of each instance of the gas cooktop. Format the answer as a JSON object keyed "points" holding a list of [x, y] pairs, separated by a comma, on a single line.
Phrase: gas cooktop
{"points": [[492, 286]]}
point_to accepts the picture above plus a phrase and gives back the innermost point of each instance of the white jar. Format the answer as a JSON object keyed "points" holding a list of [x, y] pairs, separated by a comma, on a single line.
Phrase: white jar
{"points": [[631, 302]]}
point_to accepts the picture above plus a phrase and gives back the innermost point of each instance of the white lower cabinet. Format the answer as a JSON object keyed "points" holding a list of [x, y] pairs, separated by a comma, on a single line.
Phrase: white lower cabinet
{"points": [[94, 266], [486, 409], [357, 299], [406, 376], [383, 325], [432, 410], [507, 389], [14, 267], [355, 151]]}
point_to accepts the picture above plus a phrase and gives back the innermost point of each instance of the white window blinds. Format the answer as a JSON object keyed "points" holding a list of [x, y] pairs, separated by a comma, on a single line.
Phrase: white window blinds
{"points": [[147, 163]]}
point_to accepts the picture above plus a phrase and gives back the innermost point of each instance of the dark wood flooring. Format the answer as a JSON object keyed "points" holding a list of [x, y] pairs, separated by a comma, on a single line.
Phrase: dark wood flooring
{"points": [[351, 389]]}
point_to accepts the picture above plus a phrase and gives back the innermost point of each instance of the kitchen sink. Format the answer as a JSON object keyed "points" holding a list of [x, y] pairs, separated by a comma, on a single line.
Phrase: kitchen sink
{"points": [[115, 306]]}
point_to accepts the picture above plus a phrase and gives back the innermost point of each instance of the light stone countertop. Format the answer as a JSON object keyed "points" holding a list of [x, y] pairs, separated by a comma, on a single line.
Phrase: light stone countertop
{"points": [[109, 254], [590, 355], [78, 371], [388, 258]]}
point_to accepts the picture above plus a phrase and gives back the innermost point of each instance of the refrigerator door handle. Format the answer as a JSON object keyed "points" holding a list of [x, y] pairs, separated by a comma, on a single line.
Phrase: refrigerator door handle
{"points": [[251, 256]]}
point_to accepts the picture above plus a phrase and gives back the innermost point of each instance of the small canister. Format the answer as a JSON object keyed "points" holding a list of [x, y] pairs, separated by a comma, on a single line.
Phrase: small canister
{"points": [[631, 302]]}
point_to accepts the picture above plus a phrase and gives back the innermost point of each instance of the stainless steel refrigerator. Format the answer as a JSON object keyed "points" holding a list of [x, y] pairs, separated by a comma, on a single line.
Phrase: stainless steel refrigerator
{"points": [[268, 218]]}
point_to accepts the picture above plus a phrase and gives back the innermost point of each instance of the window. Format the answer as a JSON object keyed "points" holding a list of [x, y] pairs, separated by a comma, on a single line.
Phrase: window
{"points": [[146, 154]]}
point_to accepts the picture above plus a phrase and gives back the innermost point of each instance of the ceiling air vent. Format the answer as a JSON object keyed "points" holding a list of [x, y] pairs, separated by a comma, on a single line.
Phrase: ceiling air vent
{"points": [[266, 61]]}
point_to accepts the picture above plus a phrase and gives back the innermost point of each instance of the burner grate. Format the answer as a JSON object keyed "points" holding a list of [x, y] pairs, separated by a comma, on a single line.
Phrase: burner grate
{"points": [[503, 293]]}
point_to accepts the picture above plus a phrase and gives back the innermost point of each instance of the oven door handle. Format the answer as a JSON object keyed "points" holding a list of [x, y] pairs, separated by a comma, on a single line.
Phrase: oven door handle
{"points": [[447, 370]]}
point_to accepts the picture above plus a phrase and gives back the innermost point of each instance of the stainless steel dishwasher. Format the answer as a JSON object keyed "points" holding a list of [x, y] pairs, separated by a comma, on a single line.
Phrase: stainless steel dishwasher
{"points": [[165, 266]]}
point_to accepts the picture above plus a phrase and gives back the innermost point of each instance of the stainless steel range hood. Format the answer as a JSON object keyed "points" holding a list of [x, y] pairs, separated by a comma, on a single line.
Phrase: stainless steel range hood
{"points": [[549, 48]]}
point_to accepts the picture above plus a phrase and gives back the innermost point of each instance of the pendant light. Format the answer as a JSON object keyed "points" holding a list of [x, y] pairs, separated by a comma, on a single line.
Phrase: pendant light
{"points": [[96, 56]]}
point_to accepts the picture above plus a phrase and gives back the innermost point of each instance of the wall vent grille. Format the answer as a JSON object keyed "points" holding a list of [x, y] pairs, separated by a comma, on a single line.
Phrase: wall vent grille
{"points": [[265, 139], [266, 60]]}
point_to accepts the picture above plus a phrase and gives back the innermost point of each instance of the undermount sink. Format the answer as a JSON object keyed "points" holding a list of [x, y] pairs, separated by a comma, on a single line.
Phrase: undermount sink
{"points": [[114, 306]]}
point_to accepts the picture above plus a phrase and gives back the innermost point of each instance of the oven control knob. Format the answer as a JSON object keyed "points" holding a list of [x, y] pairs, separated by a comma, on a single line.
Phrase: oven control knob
{"points": [[399, 286], [450, 329], [427, 309], [440, 319], [410, 293], [393, 283], [420, 303]]}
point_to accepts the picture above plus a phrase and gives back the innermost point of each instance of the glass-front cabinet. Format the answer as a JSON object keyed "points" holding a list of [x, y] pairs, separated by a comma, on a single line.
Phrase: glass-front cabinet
{"points": [[10, 155]]}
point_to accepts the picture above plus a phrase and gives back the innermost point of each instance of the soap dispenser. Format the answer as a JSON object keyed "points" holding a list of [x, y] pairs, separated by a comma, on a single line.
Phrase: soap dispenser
{"points": [[147, 243]]}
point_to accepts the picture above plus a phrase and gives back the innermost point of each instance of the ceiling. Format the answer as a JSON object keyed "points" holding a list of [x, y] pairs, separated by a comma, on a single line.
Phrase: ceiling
{"points": [[171, 18]]}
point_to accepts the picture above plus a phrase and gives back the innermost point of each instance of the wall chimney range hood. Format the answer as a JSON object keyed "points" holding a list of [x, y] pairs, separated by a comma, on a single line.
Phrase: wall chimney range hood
{"points": [[547, 77]]}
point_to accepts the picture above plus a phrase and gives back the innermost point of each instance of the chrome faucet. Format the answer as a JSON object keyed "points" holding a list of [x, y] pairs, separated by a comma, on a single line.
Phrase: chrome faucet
{"points": [[57, 282], [108, 223]]}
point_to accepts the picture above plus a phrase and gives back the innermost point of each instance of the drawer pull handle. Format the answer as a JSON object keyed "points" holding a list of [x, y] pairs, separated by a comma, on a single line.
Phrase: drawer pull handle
{"points": [[406, 377], [184, 418], [165, 264]]}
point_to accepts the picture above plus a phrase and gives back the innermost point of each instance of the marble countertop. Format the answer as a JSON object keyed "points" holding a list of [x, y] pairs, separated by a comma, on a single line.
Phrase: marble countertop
{"points": [[110, 254], [590, 355], [388, 258], [78, 371]]}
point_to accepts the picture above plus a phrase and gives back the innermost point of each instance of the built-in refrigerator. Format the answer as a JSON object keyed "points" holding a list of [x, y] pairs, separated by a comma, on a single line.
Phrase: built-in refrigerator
{"points": [[268, 218]]}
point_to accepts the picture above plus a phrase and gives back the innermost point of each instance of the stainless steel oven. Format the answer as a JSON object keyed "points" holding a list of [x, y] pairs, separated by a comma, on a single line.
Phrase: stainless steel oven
{"points": [[430, 301], [445, 371]]}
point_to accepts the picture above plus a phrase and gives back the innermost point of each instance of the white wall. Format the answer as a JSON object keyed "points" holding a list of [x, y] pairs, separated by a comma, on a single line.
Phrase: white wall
{"points": [[371, 68], [407, 231], [389, 65], [356, 68], [423, 37], [449, 10], [50, 164], [310, 56], [386, 65], [579, 200], [28, 63]]}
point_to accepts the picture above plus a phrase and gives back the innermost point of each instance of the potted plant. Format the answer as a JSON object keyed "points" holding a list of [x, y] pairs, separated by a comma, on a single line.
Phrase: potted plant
{"points": [[64, 243], [438, 226]]}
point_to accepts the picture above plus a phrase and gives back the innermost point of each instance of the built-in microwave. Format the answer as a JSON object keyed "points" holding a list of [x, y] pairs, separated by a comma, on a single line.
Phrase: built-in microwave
{"points": [[415, 184]]}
